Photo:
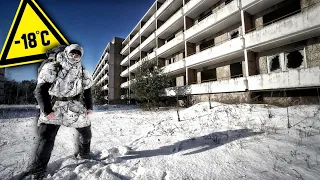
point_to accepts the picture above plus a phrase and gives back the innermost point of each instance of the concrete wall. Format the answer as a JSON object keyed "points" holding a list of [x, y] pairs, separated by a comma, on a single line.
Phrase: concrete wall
{"points": [[313, 52], [114, 82], [306, 3], [223, 72], [238, 97]]}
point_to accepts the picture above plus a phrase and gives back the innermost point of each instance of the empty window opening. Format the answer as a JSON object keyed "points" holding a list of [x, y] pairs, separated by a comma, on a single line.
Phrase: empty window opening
{"points": [[205, 14], [275, 63], [234, 34], [170, 38], [288, 9], [295, 59], [236, 70], [209, 75], [206, 45], [228, 1]]}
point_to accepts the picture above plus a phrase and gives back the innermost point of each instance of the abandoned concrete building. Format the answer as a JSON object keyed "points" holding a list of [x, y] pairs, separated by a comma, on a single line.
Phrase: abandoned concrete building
{"points": [[107, 72], [228, 50]]}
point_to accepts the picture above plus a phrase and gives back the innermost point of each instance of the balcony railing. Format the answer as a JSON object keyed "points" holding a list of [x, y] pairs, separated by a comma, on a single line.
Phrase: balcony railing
{"points": [[174, 42], [170, 21], [302, 25], [125, 49], [125, 61], [148, 40], [102, 70], [175, 67], [125, 73], [147, 24], [212, 20], [191, 5], [213, 55], [164, 6], [230, 85], [295, 78]]}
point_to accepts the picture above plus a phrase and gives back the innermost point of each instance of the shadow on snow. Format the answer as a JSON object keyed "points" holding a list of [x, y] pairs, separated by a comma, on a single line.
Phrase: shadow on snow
{"points": [[199, 144]]}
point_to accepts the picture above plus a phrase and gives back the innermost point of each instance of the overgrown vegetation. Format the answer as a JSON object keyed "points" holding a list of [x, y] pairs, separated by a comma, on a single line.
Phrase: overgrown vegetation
{"points": [[98, 95], [149, 85], [16, 92]]}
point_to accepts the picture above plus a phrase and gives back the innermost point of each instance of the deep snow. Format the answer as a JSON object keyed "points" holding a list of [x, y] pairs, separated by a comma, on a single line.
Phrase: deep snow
{"points": [[225, 142]]}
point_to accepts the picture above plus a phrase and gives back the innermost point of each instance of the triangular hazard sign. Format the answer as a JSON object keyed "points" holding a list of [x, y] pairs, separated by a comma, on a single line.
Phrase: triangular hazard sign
{"points": [[31, 34]]}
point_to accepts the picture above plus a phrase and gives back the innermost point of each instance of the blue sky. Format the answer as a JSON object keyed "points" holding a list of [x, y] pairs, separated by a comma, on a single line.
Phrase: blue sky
{"points": [[90, 23]]}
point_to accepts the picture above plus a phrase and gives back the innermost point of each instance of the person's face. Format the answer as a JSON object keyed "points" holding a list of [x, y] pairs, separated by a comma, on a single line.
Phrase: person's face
{"points": [[75, 55]]}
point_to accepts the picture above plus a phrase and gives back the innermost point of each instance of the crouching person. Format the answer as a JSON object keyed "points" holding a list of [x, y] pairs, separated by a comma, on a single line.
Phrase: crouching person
{"points": [[64, 95]]}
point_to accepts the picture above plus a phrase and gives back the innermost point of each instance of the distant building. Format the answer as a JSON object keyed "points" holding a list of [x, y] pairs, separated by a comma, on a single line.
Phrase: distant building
{"points": [[107, 71], [2, 73], [234, 50]]}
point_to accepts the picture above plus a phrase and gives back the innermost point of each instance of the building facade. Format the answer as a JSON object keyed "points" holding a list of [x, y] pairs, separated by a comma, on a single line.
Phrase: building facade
{"points": [[107, 72], [2, 79], [229, 50]]}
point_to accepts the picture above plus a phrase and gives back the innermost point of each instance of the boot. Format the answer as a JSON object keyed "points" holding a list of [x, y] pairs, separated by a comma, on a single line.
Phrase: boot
{"points": [[84, 151]]}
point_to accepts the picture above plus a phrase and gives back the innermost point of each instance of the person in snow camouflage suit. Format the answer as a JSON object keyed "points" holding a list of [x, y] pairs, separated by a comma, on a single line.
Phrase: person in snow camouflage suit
{"points": [[65, 87]]}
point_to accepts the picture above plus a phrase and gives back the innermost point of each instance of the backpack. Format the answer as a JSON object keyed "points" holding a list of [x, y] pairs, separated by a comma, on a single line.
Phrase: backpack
{"points": [[51, 57]]}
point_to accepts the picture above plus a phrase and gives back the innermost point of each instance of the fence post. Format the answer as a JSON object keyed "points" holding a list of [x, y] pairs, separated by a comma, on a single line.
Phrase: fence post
{"points": [[285, 94]]}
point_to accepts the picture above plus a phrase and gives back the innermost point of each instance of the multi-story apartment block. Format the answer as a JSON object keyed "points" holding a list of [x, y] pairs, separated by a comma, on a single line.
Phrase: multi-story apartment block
{"points": [[2, 73], [246, 48], [107, 72]]}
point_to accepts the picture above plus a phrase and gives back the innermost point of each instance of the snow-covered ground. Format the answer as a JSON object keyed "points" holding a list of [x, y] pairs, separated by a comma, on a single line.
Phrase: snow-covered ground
{"points": [[225, 142]]}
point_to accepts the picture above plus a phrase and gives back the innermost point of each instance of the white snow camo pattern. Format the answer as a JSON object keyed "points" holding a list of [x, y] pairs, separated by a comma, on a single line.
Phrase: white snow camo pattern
{"points": [[70, 81]]}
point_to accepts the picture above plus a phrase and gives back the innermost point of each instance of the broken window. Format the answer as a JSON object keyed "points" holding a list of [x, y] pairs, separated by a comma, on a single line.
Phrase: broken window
{"points": [[294, 59], [275, 63], [234, 34]]}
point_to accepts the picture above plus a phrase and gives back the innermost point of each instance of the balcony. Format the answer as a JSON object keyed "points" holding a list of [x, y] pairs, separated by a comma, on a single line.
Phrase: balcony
{"points": [[218, 21], [149, 26], [125, 61], [298, 27], [231, 85], [135, 41], [164, 6], [101, 63], [171, 47], [125, 85], [100, 72], [195, 7], [151, 56], [125, 50], [102, 79], [175, 68], [105, 87], [229, 50], [132, 96], [134, 67], [173, 24], [125, 73], [135, 53], [296, 78], [255, 6], [149, 43]]}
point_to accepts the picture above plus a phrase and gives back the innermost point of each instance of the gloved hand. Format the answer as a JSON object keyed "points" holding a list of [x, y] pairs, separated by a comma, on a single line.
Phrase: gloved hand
{"points": [[51, 115], [89, 112]]}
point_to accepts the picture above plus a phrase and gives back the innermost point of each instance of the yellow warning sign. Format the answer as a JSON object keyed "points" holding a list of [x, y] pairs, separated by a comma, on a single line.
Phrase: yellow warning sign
{"points": [[31, 34]]}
